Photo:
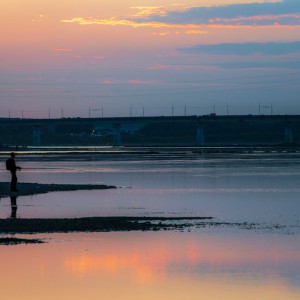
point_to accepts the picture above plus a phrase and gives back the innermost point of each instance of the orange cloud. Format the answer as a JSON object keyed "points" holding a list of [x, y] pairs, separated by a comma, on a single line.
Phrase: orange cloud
{"points": [[147, 11], [189, 28], [161, 33], [124, 22], [38, 18], [196, 32]]}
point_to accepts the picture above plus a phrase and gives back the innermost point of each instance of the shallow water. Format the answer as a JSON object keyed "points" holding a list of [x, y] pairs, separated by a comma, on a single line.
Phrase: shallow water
{"points": [[260, 188], [226, 262]]}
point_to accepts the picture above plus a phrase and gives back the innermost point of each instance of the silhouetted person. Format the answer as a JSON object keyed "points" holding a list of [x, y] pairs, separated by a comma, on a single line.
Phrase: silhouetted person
{"points": [[11, 166], [13, 202]]}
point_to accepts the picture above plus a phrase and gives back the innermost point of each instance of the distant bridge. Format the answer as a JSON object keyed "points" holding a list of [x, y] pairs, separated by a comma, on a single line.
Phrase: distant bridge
{"points": [[202, 130]]}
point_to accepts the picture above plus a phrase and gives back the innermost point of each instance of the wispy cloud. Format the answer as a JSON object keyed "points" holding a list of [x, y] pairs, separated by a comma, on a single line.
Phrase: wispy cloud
{"points": [[263, 20], [158, 67], [285, 12], [63, 52], [131, 81], [188, 29], [124, 22], [197, 20], [247, 48], [38, 19], [34, 78], [147, 11]]}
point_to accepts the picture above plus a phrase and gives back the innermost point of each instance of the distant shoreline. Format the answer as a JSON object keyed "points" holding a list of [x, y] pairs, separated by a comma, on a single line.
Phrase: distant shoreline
{"points": [[154, 150]]}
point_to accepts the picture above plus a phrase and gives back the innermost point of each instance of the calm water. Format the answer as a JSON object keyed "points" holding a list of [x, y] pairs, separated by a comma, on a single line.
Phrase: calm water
{"points": [[213, 263]]}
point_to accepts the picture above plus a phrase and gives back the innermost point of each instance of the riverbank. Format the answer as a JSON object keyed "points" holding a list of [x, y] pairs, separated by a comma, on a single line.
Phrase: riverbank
{"points": [[95, 224], [25, 189]]}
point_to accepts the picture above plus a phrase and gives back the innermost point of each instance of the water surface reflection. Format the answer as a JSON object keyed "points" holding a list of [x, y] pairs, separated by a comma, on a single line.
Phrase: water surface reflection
{"points": [[208, 263], [260, 188], [163, 265]]}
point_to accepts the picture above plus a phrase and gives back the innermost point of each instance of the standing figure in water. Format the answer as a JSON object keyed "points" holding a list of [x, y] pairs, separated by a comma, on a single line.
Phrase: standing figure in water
{"points": [[13, 168]]}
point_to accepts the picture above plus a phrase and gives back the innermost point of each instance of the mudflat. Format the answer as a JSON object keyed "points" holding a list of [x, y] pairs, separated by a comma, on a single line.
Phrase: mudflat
{"points": [[25, 189], [91, 224]]}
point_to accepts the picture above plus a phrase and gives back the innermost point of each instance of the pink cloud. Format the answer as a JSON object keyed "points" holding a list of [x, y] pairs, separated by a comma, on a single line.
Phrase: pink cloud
{"points": [[109, 81], [99, 57], [63, 52]]}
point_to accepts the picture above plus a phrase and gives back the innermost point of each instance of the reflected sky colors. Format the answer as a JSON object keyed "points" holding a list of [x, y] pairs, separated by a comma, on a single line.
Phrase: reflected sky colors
{"points": [[153, 265], [262, 188], [148, 55], [223, 262]]}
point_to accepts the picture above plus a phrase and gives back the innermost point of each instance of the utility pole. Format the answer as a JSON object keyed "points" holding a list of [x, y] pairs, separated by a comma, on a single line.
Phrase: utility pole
{"points": [[271, 109]]}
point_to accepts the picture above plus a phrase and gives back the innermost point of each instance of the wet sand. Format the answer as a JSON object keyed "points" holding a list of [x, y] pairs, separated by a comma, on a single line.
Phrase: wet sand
{"points": [[93, 224], [96, 224], [25, 189]]}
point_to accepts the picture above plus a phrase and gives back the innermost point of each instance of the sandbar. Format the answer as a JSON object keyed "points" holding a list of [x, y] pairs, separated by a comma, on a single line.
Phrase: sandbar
{"points": [[25, 189]]}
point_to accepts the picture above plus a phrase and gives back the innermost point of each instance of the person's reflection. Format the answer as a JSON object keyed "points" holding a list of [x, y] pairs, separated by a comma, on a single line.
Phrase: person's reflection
{"points": [[13, 202]]}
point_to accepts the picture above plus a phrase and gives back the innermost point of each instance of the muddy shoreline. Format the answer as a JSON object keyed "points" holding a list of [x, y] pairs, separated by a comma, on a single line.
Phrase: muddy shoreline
{"points": [[25, 189], [94, 224], [90, 224]]}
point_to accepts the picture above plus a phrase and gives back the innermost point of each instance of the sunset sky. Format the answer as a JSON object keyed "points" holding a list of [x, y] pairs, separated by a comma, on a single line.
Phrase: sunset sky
{"points": [[130, 57]]}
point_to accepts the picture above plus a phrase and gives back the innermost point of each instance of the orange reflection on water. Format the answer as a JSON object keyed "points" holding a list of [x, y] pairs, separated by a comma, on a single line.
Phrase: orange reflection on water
{"points": [[144, 262], [152, 258], [153, 265]]}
